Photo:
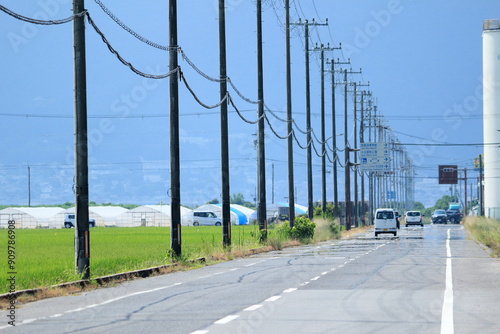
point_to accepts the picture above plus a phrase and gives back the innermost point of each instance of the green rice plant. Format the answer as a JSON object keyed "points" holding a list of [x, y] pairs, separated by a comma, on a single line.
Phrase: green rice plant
{"points": [[47, 257]]}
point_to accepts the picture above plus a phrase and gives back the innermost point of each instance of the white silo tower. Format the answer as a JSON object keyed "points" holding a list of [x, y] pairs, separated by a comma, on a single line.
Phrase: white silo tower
{"points": [[491, 117]]}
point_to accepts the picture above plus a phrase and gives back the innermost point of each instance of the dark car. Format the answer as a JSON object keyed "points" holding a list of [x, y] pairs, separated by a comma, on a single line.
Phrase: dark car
{"points": [[439, 217], [454, 216]]}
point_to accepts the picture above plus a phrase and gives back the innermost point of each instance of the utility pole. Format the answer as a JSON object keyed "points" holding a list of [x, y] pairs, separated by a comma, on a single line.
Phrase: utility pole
{"points": [[82, 233], [175, 199], [291, 196], [29, 186], [371, 201], [356, 192], [261, 161], [480, 190], [355, 144], [226, 208], [272, 195], [322, 50], [362, 140], [347, 163], [334, 131], [310, 200], [465, 189]]}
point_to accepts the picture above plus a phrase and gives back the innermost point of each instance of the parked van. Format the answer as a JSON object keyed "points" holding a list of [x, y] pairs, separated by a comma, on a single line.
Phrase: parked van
{"points": [[206, 218], [385, 221]]}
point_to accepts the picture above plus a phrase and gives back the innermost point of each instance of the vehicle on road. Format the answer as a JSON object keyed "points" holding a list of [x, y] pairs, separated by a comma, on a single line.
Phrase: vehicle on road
{"points": [[439, 217], [413, 218], [206, 218], [283, 213], [70, 221], [454, 216], [385, 222]]}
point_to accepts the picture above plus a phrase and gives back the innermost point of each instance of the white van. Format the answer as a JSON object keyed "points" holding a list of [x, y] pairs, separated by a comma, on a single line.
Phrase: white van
{"points": [[385, 222], [206, 218]]}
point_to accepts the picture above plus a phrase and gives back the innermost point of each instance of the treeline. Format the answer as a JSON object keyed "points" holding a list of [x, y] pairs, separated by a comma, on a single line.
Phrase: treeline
{"points": [[68, 205]]}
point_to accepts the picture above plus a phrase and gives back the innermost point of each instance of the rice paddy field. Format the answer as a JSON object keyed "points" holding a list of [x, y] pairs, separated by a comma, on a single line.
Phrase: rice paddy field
{"points": [[44, 257]]}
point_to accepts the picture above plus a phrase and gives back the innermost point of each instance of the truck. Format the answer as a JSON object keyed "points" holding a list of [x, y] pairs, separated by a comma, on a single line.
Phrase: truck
{"points": [[453, 214]]}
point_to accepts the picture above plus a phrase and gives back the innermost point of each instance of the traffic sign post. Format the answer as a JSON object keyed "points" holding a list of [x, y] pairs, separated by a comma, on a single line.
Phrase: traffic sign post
{"points": [[375, 157]]}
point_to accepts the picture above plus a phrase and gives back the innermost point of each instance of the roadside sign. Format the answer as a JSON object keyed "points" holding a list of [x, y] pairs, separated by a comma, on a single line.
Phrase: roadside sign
{"points": [[374, 149], [391, 194], [375, 157]]}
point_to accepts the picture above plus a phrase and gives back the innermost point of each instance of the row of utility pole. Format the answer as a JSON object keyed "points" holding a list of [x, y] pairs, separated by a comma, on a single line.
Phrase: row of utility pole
{"points": [[82, 236]]}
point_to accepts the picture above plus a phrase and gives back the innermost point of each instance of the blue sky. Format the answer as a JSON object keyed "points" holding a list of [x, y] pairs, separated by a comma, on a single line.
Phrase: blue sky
{"points": [[422, 58]]}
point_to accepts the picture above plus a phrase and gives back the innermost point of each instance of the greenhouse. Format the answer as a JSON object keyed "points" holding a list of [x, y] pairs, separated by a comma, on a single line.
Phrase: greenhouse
{"points": [[115, 216], [32, 217], [152, 215]]}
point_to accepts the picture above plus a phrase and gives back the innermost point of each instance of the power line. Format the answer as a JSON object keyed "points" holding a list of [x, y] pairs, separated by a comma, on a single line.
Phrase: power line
{"points": [[41, 22], [447, 144], [126, 63], [128, 29]]}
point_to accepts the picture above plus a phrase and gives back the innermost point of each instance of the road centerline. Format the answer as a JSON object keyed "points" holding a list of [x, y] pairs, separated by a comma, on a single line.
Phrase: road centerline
{"points": [[447, 312]]}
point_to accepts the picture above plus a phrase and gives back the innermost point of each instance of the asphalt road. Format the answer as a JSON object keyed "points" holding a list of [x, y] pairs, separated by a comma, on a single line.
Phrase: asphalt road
{"points": [[426, 280]]}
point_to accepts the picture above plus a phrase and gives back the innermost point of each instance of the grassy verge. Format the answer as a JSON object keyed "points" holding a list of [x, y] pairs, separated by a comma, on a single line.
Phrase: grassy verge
{"points": [[486, 231]]}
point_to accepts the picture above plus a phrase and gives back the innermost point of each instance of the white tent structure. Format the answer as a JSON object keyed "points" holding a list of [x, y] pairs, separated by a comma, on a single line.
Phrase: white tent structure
{"points": [[109, 216], [246, 211], [146, 215], [167, 210], [32, 217], [151, 215], [104, 216]]}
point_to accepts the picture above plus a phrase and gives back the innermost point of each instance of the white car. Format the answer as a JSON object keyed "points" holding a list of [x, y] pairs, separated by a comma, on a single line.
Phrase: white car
{"points": [[413, 218], [206, 218]]}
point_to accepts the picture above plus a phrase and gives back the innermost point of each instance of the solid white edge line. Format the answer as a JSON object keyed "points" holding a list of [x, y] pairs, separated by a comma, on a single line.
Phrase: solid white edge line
{"points": [[447, 326]]}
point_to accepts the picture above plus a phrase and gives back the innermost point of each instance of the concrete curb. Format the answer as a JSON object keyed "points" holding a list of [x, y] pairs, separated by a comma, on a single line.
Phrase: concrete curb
{"points": [[141, 273]]}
